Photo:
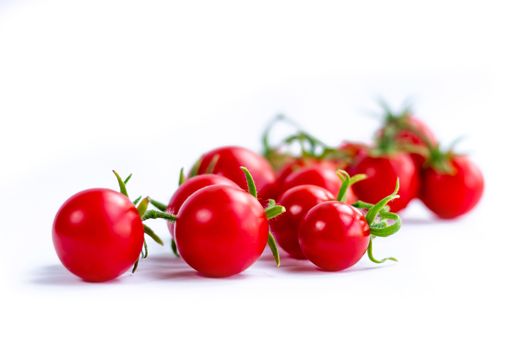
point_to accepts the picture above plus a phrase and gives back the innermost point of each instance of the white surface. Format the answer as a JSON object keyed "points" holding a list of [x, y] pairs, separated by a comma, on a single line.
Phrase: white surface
{"points": [[146, 87]]}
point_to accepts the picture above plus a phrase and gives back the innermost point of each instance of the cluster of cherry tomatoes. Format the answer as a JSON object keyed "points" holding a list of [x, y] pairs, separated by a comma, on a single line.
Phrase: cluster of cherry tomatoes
{"points": [[321, 203]]}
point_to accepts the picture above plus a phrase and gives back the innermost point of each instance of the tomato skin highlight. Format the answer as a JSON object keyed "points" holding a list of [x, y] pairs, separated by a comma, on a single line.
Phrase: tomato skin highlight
{"points": [[229, 159], [382, 173], [297, 201], [452, 195], [334, 235], [98, 234], [221, 230], [190, 186]]}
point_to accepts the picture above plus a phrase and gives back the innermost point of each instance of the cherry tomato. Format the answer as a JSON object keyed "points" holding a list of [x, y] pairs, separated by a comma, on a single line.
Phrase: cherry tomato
{"points": [[98, 234], [189, 187], [221, 230], [354, 150], [382, 173], [420, 136], [298, 201], [274, 190], [334, 235], [228, 161], [454, 194], [322, 175], [412, 131]]}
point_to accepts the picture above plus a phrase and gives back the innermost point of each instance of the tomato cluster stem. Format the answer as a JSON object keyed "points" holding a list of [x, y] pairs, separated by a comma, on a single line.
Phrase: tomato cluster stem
{"points": [[388, 224]]}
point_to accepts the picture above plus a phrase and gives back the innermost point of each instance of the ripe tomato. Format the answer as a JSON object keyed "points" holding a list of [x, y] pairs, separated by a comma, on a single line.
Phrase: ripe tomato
{"points": [[189, 187], [415, 131], [322, 175], [408, 130], [298, 201], [98, 234], [226, 161], [334, 235], [274, 190], [450, 195], [221, 230], [382, 173], [354, 150]]}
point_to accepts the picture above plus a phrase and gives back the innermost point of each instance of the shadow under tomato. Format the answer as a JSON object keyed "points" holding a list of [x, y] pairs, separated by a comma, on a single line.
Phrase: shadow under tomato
{"points": [[57, 275], [155, 268]]}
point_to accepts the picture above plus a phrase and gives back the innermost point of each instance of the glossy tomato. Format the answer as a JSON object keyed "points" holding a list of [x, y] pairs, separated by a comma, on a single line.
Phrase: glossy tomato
{"points": [[298, 201], [450, 195], [98, 234], [226, 161], [382, 173], [323, 175], [221, 230], [188, 188], [274, 190], [334, 235]]}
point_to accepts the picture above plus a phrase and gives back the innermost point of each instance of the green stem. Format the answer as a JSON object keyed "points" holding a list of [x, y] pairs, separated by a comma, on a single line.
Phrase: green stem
{"points": [[136, 201], [267, 148], [126, 180], [365, 205], [371, 256], [274, 211], [174, 248], [273, 247], [249, 181], [135, 265], [195, 168], [143, 206], [213, 163], [372, 212], [121, 184], [155, 214], [146, 251], [152, 234], [382, 229], [181, 176], [159, 205], [347, 181], [271, 212]]}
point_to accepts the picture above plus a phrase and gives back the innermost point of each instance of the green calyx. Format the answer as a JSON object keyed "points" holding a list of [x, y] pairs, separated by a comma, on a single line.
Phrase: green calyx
{"points": [[145, 214], [441, 160], [346, 182], [272, 211], [381, 221], [394, 123]]}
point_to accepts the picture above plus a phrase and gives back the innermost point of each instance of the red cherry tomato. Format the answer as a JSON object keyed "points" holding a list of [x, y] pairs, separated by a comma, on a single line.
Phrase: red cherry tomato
{"points": [[322, 175], [416, 137], [382, 173], [452, 195], [221, 230], [228, 161], [189, 187], [354, 150], [98, 234], [334, 235], [274, 190], [298, 201], [413, 131]]}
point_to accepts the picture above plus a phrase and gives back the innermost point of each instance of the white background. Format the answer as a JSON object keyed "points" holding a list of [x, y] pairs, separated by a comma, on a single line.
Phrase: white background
{"points": [[86, 87]]}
